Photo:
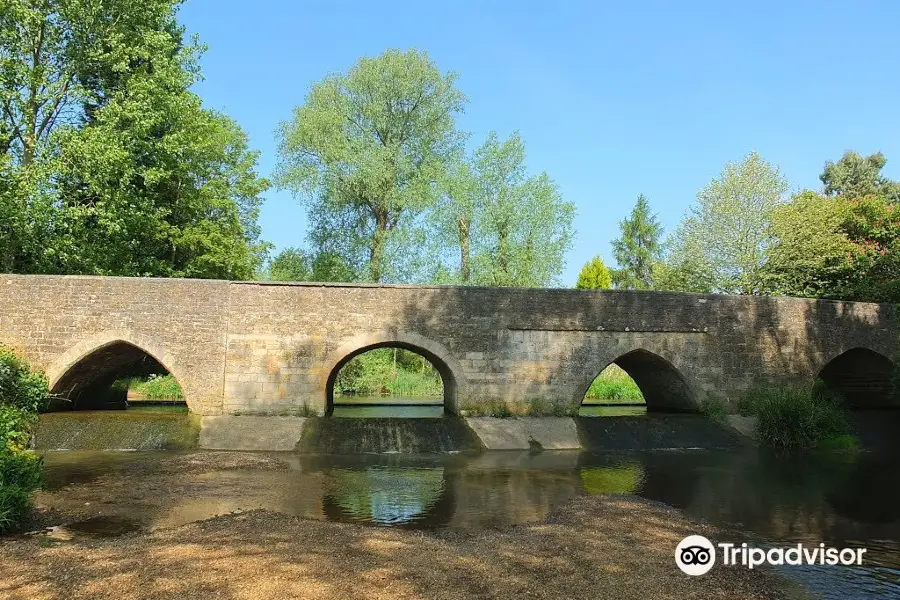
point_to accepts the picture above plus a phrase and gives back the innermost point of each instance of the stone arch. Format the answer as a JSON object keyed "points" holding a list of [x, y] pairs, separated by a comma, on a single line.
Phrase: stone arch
{"points": [[862, 377], [95, 359], [662, 384], [439, 356]]}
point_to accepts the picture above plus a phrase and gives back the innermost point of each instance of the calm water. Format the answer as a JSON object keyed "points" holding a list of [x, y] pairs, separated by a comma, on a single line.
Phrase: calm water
{"points": [[760, 498]]}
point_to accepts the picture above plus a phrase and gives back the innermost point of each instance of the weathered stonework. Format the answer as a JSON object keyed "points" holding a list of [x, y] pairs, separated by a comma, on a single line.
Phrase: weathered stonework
{"points": [[273, 348]]}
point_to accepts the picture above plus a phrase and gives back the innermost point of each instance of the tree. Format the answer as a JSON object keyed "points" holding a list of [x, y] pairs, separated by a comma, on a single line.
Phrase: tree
{"points": [[109, 162], [855, 176], [594, 276], [374, 141], [457, 211], [522, 226], [720, 245], [291, 264], [638, 248], [835, 247]]}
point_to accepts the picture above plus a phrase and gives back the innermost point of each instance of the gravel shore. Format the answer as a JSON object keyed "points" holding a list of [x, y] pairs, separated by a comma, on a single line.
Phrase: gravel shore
{"points": [[595, 547]]}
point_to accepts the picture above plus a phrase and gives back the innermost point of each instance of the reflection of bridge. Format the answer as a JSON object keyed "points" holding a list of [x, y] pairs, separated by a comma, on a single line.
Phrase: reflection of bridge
{"points": [[272, 348]]}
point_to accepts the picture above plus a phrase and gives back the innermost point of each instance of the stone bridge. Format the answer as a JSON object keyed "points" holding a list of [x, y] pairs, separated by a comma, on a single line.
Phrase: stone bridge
{"points": [[275, 348]]}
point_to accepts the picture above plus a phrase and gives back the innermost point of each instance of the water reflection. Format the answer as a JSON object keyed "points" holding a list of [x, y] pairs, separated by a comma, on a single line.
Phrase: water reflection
{"points": [[761, 498]]}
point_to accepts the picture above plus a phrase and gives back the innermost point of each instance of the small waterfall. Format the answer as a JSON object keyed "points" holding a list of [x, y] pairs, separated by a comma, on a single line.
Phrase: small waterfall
{"points": [[116, 430], [657, 431], [330, 435]]}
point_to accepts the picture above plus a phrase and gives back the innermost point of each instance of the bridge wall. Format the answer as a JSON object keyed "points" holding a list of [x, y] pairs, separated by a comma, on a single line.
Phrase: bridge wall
{"points": [[270, 348]]}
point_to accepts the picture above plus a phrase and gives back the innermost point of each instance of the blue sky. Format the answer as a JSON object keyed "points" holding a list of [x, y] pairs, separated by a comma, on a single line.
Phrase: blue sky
{"points": [[612, 99]]}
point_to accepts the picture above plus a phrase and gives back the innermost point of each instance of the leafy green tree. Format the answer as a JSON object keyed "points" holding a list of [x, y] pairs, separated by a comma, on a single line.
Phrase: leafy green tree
{"points": [[457, 211], [110, 162], [594, 276], [373, 141], [855, 176], [638, 248], [835, 248], [720, 245], [523, 227], [291, 264]]}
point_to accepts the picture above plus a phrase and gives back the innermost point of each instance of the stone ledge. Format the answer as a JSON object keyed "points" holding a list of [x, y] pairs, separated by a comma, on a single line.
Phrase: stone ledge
{"points": [[251, 433], [552, 433]]}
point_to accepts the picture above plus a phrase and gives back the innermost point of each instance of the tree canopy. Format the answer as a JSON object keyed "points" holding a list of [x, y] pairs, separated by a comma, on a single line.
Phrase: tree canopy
{"points": [[721, 243], [110, 165], [594, 276], [373, 141], [855, 176]]}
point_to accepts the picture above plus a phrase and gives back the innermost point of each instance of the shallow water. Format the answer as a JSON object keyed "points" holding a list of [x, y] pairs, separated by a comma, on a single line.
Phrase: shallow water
{"points": [[757, 497]]}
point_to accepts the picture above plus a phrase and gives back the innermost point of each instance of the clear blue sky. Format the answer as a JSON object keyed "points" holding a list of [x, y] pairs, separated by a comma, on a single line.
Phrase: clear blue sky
{"points": [[612, 99]]}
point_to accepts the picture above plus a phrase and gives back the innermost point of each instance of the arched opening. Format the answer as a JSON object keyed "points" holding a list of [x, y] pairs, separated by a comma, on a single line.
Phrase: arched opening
{"points": [[636, 383], [117, 376], [391, 379], [861, 378], [613, 393]]}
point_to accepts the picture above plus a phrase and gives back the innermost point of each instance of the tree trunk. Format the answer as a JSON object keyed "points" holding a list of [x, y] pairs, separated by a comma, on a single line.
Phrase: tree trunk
{"points": [[377, 250], [464, 249]]}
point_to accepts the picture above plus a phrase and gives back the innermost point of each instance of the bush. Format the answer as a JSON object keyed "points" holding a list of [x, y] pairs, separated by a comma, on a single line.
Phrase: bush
{"points": [[15, 429], [20, 386], [792, 420], [22, 393]]}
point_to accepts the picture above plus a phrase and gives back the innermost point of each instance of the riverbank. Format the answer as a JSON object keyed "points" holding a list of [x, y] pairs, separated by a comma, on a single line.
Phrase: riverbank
{"points": [[596, 547]]}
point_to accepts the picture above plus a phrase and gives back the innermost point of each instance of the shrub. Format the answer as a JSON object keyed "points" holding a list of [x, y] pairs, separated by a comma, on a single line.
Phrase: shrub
{"points": [[714, 408], [22, 393], [20, 386], [791, 420], [15, 428]]}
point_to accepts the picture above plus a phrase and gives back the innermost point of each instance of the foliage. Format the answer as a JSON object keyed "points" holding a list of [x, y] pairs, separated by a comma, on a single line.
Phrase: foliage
{"points": [[638, 248], [721, 244], [157, 387], [523, 226], [594, 276], [373, 141], [21, 386], [291, 264], [835, 248], [856, 176], [790, 420], [391, 372], [22, 392], [613, 384], [714, 408], [109, 164]]}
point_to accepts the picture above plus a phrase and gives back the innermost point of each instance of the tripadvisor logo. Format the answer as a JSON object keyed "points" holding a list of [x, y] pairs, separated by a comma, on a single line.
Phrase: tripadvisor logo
{"points": [[696, 555]]}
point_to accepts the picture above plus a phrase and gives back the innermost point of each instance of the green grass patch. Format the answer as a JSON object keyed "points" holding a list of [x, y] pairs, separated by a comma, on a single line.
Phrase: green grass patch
{"points": [[154, 387], [613, 386], [795, 420]]}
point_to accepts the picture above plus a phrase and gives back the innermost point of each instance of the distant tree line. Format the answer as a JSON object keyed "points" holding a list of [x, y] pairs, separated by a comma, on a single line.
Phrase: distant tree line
{"points": [[744, 236]]}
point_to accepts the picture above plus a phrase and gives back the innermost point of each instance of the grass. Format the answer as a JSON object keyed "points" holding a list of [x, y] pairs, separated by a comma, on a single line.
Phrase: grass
{"points": [[614, 386], [795, 420], [20, 475], [154, 387]]}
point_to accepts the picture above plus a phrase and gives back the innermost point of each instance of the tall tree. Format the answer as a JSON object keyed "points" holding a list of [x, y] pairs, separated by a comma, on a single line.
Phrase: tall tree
{"points": [[638, 248], [855, 176], [374, 141], [109, 160], [523, 226], [594, 276], [457, 210], [721, 243]]}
